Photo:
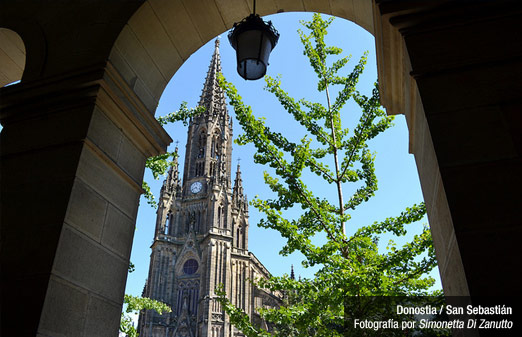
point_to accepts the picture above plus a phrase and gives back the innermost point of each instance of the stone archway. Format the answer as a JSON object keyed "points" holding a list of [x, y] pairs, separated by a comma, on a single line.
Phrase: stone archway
{"points": [[161, 35]]}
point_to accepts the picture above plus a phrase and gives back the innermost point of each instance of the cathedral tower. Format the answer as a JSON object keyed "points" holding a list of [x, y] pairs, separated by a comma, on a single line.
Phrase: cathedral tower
{"points": [[201, 235]]}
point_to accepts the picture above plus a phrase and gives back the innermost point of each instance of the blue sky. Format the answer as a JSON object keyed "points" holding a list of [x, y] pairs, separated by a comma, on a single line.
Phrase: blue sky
{"points": [[396, 171]]}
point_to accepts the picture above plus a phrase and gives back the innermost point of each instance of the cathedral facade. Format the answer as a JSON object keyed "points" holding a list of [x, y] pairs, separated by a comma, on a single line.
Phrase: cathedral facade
{"points": [[201, 234]]}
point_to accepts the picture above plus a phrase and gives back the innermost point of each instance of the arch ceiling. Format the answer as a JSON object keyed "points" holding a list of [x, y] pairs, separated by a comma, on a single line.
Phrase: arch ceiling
{"points": [[161, 35]]}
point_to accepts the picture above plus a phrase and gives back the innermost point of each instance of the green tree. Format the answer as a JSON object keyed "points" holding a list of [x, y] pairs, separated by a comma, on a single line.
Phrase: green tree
{"points": [[352, 268], [133, 305]]}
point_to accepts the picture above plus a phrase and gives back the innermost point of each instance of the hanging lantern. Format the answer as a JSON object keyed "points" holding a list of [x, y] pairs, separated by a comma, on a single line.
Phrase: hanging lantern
{"points": [[253, 39]]}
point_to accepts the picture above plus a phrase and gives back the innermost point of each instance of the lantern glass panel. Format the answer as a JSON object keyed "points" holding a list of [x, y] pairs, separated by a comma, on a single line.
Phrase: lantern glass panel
{"points": [[253, 50]]}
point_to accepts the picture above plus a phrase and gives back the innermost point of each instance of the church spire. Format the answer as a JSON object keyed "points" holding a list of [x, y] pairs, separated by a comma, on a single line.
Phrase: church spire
{"points": [[238, 195], [209, 138], [212, 96], [238, 182], [172, 184]]}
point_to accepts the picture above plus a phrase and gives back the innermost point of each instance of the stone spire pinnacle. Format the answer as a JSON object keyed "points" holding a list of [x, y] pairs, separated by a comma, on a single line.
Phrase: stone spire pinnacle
{"points": [[172, 183], [238, 195], [212, 96], [292, 275], [238, 182]]}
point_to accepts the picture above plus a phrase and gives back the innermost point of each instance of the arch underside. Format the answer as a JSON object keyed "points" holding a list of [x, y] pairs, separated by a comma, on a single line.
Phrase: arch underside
{"points": [[182, 27]]}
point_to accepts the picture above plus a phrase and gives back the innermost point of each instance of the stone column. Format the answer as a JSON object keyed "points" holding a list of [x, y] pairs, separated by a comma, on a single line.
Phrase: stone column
{"points": [[73, 150], [400, 95], [454, 70]]}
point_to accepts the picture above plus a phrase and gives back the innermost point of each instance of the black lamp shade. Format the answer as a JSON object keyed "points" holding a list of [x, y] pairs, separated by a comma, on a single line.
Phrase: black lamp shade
{"points": [[253, 40]]}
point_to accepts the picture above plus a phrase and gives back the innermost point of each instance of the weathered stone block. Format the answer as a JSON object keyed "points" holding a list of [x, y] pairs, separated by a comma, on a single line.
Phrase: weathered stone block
{"points": [[174, 17], [118, 232], [151, 34], [142, 64], [427, 165], [109, 182], [452, 274], [89, 265], [86, 210], [64, 310], [102, 317], [441, 224], [131, 160], [124, 69], [105, 134]]}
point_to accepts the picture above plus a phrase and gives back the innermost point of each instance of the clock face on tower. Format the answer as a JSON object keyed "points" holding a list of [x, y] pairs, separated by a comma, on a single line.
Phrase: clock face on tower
{"points": [[196, 187]]}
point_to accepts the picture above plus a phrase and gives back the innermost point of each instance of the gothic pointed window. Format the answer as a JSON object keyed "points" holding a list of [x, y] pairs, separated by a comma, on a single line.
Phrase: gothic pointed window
{"points": [[200, 169], [188, 297], [191, 221], [221, 217], [202, 142], [213, 147], [195, 224], [168, 222], [211, 173]]}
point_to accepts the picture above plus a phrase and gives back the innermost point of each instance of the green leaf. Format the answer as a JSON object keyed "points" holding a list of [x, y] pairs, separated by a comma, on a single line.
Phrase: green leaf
{"points": [[135, 304]]}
